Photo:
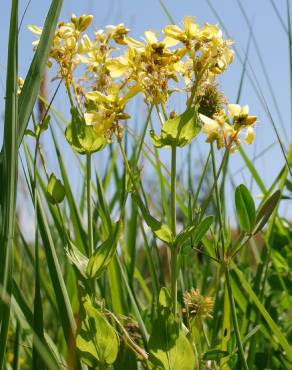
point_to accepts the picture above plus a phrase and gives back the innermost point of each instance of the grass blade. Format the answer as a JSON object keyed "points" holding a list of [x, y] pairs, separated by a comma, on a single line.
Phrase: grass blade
{"points": [[31, 87]]}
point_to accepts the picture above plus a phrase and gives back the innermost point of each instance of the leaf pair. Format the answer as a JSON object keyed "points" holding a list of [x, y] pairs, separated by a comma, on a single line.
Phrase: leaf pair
{"points": [[249, 220]]}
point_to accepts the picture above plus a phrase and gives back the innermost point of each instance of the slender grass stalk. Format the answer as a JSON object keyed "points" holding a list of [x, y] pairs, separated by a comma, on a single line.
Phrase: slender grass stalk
{"points": [[38, 323], [174, 251], [234, 319], [8, 178]]}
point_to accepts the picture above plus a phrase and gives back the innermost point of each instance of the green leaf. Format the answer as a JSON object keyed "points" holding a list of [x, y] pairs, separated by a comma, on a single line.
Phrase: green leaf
{"points": [[214, 355], [168, 346], [197, 231], [31, 87], [264, 313], [81, 137], [178, 131], [55, 190], [245, 208], [8, 178], [77, 258], [202, 228], [97, 341], [266, 210], [104, 253], [162, 231]]}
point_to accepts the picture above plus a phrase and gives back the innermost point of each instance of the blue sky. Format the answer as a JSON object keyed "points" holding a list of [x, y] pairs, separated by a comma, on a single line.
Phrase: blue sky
{"points": [[271, 43]]}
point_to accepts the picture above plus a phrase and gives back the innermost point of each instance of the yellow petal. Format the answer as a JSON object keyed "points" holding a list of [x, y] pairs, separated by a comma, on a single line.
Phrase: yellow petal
{"points": [[191, 26], [151, 37], [96, 96], [35, 29], [234, 109], [245, 110], [134, 43], [249, 136], [250, 120], [117, 67], [85, 44], [91, 118], [169, 41], [210, 125], [173, 31], [134, 90]]}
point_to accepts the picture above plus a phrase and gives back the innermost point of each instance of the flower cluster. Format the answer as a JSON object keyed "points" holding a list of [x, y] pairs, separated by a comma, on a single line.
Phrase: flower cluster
{"points": [[116, 67]]}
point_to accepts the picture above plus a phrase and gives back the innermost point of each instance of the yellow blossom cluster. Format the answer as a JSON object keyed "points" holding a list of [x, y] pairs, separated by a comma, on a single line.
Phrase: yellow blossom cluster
{"points": [[65, 45], [116, 67]]}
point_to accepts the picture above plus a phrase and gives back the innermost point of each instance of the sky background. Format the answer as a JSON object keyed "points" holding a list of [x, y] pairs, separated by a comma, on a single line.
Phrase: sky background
{"points": [[268, 46]]}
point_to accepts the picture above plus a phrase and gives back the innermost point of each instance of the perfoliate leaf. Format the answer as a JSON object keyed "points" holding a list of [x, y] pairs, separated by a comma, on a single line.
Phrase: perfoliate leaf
{"points": [[97, 341], [266, 210], [81, 137], [245, 208], [178, 131], [55, 190], [104, 253], [168, 346]]}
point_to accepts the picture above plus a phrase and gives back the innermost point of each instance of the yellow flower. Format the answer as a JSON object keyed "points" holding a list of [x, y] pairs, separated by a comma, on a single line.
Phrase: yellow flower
{"points": [[209, 32], [105, 111], [227, 134], [188, 33], [217, 129], [242, 120], [240, 115]]}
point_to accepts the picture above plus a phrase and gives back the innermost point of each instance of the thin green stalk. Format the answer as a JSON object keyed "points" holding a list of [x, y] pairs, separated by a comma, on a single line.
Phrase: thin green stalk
{"points": [[174, 251], [143, 135], [38, 324], [234, 319], [89, 205], [8, 179]]}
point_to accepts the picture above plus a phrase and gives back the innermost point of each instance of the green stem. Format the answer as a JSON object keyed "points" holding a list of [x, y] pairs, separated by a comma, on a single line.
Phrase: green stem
{"points": [[234, 319], [89, 206], [174, 251]]}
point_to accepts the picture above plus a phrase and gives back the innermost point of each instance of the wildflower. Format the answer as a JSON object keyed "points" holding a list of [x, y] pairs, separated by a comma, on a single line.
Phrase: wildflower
{"points": [[197, 305], [105, 111], [217, 129], [185, 35], [227, 134], [243, 121]]}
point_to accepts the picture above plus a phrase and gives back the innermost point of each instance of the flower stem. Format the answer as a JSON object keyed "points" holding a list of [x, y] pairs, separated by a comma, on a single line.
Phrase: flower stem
{"points": [[174, 252], [234, 319], [89, 206]]}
